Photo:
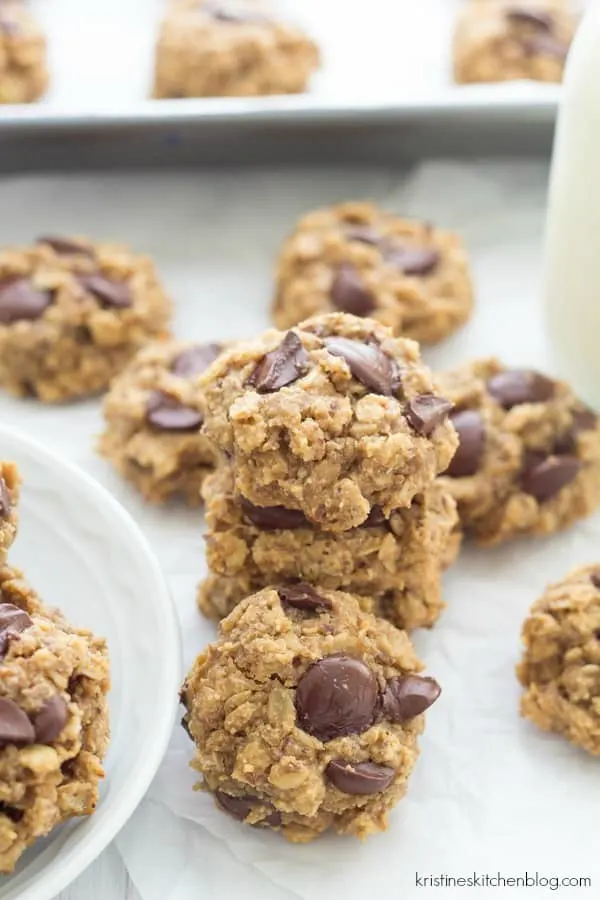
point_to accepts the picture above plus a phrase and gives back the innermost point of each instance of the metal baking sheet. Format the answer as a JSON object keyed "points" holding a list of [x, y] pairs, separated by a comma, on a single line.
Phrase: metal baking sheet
{"points": [[384, 92]]}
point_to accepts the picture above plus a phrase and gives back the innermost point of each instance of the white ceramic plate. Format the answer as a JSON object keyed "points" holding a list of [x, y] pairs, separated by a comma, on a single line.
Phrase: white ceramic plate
{"points": [[85, 554]]}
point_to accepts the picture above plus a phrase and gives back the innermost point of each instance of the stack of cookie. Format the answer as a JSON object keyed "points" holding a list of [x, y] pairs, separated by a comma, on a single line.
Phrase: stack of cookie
{"points": [[53, 712], [333, 439]]}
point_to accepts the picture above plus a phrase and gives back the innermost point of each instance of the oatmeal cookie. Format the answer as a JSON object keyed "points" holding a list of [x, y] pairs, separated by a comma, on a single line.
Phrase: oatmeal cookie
{"points": [[153, 418], [560, 669], [9, 499], [53, 718], [332, 418], [392, 565], [23, 65], [529, 455], [227, 49], [359, 259], [306, 712], [502, 40], [72, 314]]}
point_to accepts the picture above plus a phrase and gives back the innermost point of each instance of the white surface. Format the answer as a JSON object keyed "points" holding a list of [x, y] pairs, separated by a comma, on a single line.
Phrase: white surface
{"points": [[490, 792], [101, 54], [86, 556], [573, 258]]}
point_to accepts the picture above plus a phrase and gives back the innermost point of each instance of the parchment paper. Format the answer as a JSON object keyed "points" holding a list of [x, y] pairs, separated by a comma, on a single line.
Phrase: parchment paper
{"points": [[490, 793]]}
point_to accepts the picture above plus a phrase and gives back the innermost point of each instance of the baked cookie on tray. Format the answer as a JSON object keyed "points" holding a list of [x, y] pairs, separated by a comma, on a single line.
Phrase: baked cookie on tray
{"points": [[528, 460], [359, 259], [23, 65], [72, 314], [331, 418], [306, 713], [392, 565], [229, 49], [54, 728], [560, 668], [154, 415], [9, 498], [503, 40]]}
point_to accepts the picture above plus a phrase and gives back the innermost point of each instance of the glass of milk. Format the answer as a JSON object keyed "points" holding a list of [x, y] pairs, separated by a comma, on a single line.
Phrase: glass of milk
{"points": [[572, 262]]}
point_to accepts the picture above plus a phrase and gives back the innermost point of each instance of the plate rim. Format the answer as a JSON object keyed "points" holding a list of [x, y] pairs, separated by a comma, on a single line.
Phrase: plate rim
{"points": [[47, 885]]}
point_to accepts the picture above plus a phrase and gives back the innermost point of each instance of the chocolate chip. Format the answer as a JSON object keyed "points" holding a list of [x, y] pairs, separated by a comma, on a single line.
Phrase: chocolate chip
{"points": [[282, 366], [349, 293], [364, 234], [15, 727], [303, 596], [515, 386], [471, 437], [545, 45], [19, 300], [114, 294], [412, 260], [543, 478], [524, 15], [168, 414], [50, 720], [426, 411], [11, 812], [336, 696], [195, 360], [185, 724], [13, 620], [273, 518], [65, 246], [241, 807], [359, 778], [595, 579], [408, 696], [376, 517], [368, 363], [584, 420], [5, 504]]}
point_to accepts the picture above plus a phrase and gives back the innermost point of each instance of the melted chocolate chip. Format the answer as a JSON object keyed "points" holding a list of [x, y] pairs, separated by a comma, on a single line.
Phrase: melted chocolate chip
{"points": [[5, 504], [336, 696], [11, 812], [241, 807], [368, 363], [412, 260], [426, 411], [50, 720], [595, 579], [20, 300], [167, 414], [526, 15], [359, 778], [516, 386], [303, 596], [408, 696], [584, 420], [113, 294], [15, 727], [282, 366], [376, 517], [349, 293], [471, 437], [364, 234], [65, 246], [13, 621], [544, 477], [545, 45], [273, 518], [195, 360]]}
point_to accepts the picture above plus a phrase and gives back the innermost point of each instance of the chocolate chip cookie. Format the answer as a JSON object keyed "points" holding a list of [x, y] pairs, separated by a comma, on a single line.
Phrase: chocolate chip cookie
{"points": [[502, 40], [53, 718], [528, 460], [229, 49], [359, 259], [560, 669], [9, 498], [72, 314], [305, 713], [23, 64], [392, 565], [332, 418], [153, 419]]}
